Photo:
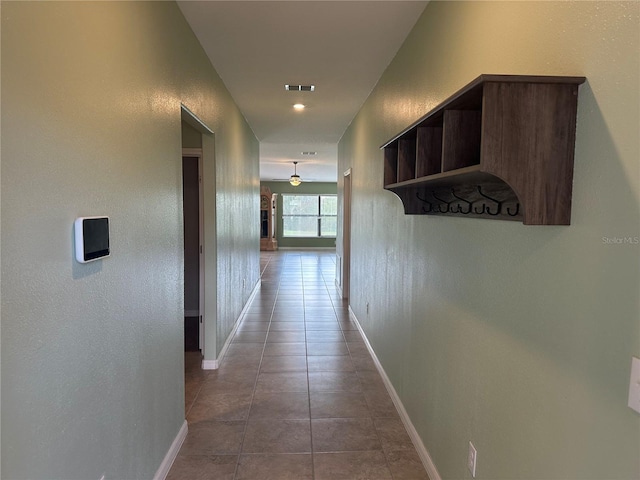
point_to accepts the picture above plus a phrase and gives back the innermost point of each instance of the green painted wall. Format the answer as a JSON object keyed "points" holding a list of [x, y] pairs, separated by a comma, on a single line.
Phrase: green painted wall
{"points": [[191, 138], [516, 338], [92, 355], [305, 187]]}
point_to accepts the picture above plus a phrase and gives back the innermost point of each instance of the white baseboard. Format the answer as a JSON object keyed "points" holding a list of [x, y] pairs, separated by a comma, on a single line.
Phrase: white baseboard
{"points": [[171, 455], [215, 364], [339, 289], [192, 313], [429, 466], [210, 364]]}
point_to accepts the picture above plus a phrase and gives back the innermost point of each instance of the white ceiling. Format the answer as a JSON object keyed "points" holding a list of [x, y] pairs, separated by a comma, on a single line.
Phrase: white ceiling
{"points": [[341, 47]]}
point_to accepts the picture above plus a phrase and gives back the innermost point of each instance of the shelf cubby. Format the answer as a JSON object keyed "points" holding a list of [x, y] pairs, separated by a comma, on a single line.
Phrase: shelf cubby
{"points": [[407, 158], [429, 151], [391, 165], [460, 139], [502, 147]]}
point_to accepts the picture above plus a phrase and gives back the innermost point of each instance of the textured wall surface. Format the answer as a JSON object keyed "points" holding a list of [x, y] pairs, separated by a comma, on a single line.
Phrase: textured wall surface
{"points": [[238, 238], [516, 338], [92, 355]]}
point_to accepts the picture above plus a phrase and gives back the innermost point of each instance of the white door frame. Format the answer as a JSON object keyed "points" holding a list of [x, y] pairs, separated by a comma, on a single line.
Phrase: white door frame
{"points": [[205, 256]]}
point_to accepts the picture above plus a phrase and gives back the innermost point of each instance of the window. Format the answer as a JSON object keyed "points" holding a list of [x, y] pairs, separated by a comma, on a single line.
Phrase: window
{"points": [[309, 215]]}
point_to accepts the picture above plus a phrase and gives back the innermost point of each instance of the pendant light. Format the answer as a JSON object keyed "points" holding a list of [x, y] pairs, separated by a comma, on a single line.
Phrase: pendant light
{"points": [[295, 179]]}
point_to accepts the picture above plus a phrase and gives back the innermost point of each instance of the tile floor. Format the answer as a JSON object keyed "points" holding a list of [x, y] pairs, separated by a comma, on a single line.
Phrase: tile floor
{"points": [[297, 395]]}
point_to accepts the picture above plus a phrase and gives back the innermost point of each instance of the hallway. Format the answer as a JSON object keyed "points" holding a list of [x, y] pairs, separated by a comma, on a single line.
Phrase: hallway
{"points": [[297, 395]]}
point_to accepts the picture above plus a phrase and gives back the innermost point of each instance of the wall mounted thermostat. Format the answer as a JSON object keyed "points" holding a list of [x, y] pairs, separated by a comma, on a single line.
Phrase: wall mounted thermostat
{"points": [[92, 238]]}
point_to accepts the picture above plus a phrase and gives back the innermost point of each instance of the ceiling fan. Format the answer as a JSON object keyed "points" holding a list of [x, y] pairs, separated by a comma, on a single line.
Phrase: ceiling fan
{"points": [[294, 179]]}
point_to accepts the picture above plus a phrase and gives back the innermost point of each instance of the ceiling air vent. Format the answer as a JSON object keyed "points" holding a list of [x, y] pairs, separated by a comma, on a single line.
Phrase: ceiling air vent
{"points": [[308, 153], [300, 88]]}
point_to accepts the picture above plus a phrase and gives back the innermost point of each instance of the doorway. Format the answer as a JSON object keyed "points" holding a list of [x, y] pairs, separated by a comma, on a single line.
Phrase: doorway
{"points": [[346, 236], [193, 259]]}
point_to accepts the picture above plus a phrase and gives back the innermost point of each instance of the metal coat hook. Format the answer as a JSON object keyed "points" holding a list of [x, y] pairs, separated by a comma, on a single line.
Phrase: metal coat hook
{"points": [[486, 209], [458, 209], [425, 201], [516, 212], [440, 206]]}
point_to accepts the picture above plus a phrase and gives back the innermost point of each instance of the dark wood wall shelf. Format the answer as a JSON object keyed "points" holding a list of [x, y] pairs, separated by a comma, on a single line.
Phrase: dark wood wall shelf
{"points": [[502, 147]]}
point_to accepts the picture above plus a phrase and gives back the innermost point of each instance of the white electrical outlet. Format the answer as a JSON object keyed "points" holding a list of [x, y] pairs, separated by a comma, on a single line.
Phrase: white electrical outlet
{"points": [[634, 385], [472, 458]]}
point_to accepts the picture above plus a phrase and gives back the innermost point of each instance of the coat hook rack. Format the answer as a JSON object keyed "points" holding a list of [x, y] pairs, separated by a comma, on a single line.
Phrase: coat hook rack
{"points": [[465, 202]]}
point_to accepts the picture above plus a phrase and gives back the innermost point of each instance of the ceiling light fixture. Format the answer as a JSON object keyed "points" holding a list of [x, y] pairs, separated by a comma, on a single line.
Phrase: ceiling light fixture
{"points": [[298, 106], [295, 179]]}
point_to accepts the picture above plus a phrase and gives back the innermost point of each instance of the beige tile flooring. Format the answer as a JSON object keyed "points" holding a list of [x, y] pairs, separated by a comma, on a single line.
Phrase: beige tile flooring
{"points": [[297, 395]]}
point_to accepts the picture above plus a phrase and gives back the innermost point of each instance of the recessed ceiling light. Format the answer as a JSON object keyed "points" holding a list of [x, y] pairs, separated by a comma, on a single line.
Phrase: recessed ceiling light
{"points": [[298, 106]]}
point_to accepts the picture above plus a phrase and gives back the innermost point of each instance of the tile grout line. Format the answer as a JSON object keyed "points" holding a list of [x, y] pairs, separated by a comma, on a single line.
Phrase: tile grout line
{"points": [[255, 383], [371, 416], [306, 349], [308, 381]]}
